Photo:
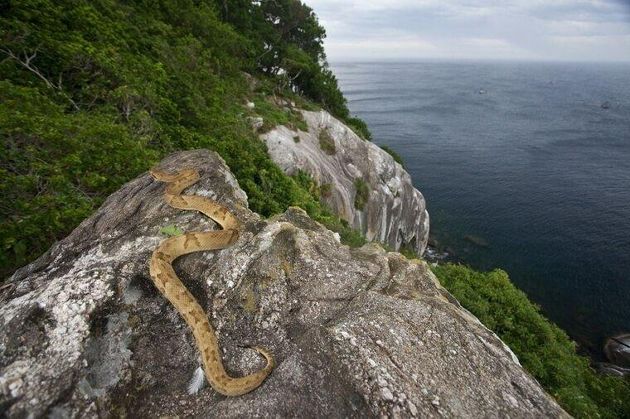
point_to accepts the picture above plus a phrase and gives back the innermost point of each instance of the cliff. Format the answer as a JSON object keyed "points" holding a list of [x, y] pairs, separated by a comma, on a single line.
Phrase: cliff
{"points": [[355, 332], [360, 182]]}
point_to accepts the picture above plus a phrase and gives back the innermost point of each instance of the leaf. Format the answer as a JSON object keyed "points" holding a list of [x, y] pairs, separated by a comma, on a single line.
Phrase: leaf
{"points": [[171, 230]]}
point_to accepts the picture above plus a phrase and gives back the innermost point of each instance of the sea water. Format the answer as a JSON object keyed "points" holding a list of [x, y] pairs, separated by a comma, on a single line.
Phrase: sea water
{"points": [[531, 161]]}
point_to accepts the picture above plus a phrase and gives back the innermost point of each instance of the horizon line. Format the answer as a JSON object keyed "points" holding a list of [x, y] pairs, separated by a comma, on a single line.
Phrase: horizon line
{"points": [[403, 60]]}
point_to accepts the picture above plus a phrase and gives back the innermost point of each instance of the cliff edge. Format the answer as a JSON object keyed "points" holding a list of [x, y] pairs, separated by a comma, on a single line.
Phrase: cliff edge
{"points": [[355, 332], [360, 182]]}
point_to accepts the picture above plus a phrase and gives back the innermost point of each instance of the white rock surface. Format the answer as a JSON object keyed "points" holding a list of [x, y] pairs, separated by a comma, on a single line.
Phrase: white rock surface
{"points": [[395, 212]]}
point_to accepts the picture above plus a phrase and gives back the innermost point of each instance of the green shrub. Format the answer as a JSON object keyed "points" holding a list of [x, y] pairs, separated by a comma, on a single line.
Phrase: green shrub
{"points": [[274, 115], [362, 194], [326, 190], [543, 348], [407, 250], [326, 142], [347, 234], [359, 127], [392, 153], [56, 168]]}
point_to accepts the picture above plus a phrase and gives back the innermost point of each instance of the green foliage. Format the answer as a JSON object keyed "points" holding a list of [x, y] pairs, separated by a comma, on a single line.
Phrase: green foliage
{"points": [[171, 230], [306, 182], [326, 190], [347, 234], [287, 39], [542, 347], [274, 115], [326, 142], [392, 153], [362, 195], [408, 251], [94, 93], [359, 127], [56, 168]]}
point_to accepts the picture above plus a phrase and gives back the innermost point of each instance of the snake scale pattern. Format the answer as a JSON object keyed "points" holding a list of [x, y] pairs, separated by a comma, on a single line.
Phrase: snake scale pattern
{"points": [[173, 289]]}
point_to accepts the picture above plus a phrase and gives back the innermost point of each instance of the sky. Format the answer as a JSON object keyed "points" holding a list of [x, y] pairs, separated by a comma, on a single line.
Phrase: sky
{"points": [[554, 30]]}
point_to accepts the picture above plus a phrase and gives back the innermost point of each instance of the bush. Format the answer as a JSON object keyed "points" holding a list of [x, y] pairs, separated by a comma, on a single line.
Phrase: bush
{"points": [[273, 115], [326, 190], [542, 347], [326, 142], [56, 169], [359, 127], [362, 194], [392, 153]]}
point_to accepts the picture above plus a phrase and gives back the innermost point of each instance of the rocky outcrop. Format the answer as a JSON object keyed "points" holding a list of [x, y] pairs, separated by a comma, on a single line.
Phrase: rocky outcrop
{"points": [[360, 182], [355, 332], [617, 350]]}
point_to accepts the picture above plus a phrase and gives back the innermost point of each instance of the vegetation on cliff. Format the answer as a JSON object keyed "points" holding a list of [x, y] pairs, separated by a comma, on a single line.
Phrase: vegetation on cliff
{"points": [[94, 93], [543, 348]]}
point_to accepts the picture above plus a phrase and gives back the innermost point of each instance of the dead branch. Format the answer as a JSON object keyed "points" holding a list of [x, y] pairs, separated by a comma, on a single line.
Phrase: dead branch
{"points": [[26, 63]]}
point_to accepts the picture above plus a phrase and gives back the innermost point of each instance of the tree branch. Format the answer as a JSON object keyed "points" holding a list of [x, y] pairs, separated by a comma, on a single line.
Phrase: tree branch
{"points": [[26, 63]]}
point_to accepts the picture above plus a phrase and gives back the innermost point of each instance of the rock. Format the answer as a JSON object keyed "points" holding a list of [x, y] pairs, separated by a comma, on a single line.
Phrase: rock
{"points": [[432, 254], [435, 253], [354, 171], [256, 122], [251, 82], [281, 102], [611, 369], [617, 350], [355, 332], [250, 105]]}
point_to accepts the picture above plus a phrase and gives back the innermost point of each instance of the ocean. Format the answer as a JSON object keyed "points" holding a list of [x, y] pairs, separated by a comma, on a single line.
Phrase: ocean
{"points": [[525, 167]]}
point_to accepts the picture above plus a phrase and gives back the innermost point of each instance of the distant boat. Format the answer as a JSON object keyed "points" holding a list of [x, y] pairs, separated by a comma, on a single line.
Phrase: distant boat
{"points": [[606, 105], [482, 92]]}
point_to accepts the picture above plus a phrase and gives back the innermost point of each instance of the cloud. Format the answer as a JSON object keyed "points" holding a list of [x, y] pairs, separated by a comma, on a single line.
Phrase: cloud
{"points": [[508, 29], [385, 48]]}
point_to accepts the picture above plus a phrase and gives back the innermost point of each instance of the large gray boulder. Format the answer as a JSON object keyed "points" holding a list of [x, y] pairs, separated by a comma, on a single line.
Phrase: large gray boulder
{"points": [[394, 211], [355, 332]]}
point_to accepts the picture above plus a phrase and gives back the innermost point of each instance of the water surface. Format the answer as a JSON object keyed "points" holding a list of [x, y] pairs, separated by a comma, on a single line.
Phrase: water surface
{"points": [[525, 157]]}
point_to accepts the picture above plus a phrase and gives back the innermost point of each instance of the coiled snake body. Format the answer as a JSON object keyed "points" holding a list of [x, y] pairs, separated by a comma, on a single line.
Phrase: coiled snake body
{"points": [[173, 289]]}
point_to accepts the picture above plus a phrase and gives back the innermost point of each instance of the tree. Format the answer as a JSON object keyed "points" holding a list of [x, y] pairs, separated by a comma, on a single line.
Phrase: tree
{"points": [[288, 43]]}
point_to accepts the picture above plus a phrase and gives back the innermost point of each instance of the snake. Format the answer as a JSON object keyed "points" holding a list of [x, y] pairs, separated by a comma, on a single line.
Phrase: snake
{"points": [[169, 285]]}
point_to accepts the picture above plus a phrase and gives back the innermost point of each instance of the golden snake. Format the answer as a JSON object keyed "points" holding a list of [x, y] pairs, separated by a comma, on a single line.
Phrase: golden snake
{"points": [[168, 283]]}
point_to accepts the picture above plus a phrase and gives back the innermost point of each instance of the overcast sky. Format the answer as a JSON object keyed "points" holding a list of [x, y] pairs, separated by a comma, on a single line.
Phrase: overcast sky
{"points": [[593, 30]]}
